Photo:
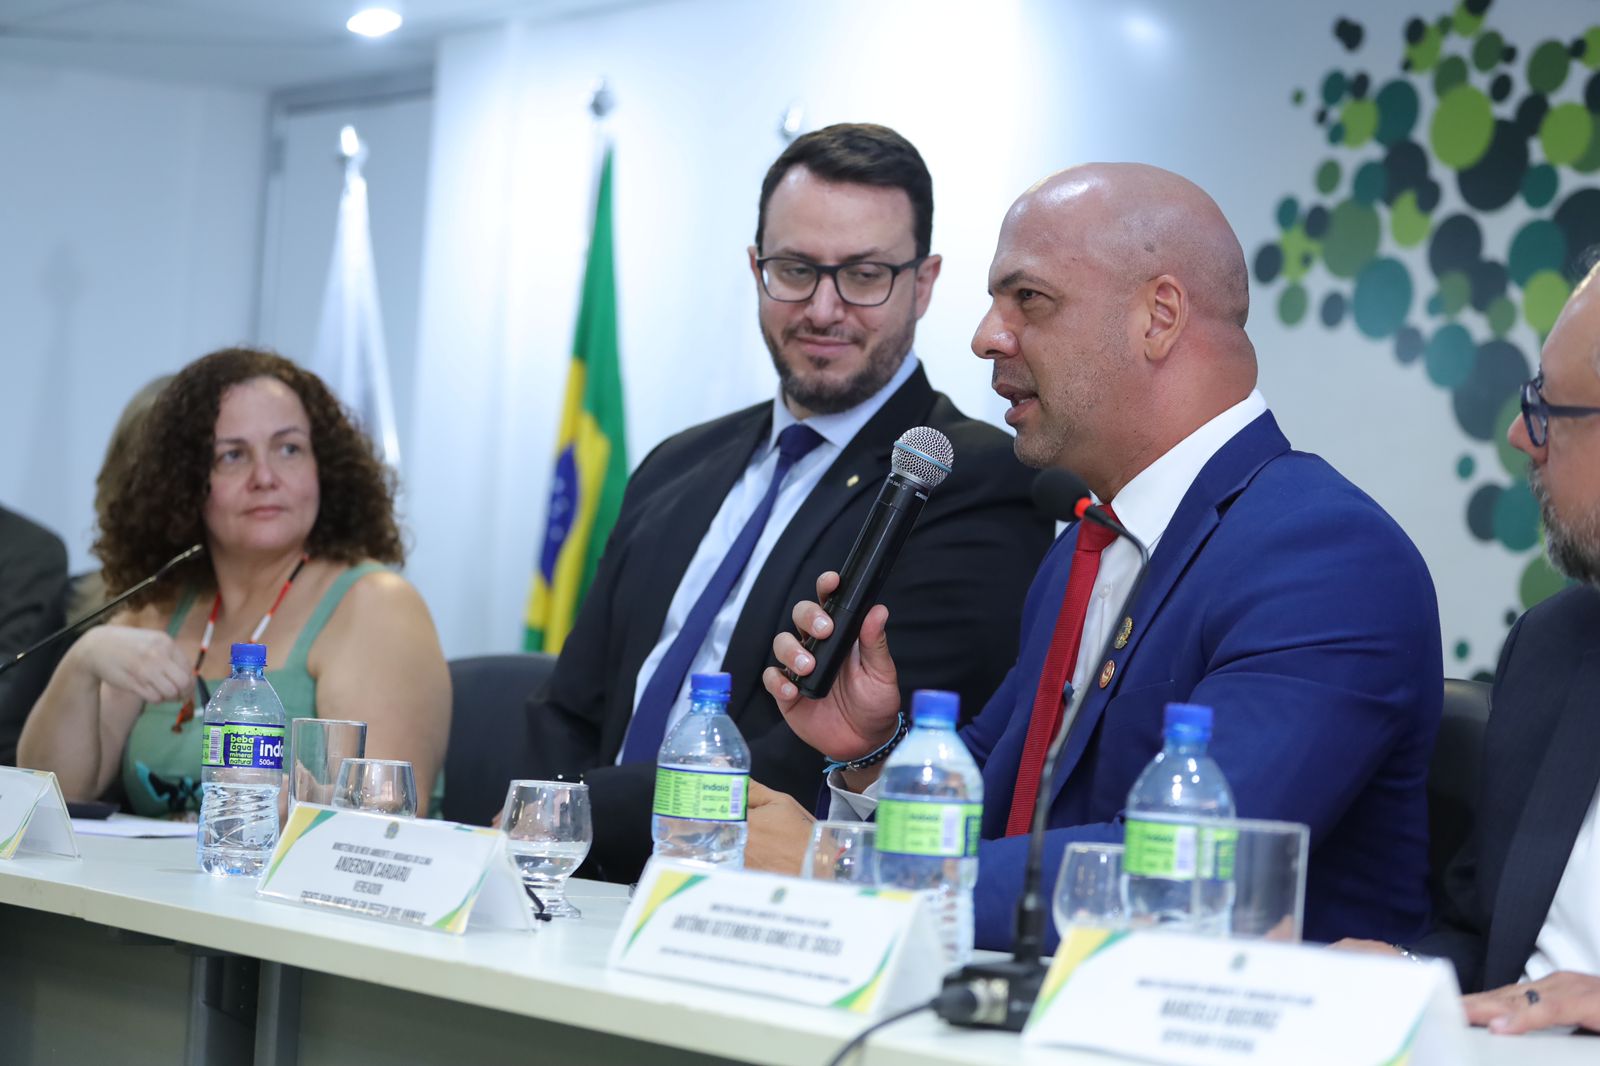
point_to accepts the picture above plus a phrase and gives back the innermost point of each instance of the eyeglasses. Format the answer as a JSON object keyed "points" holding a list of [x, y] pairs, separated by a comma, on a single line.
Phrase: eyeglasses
{"points": [[864, 284], [1536, 413]]}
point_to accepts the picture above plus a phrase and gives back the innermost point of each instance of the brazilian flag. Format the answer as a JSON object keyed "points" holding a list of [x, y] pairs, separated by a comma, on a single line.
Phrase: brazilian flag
{"points": [[591, 449]]}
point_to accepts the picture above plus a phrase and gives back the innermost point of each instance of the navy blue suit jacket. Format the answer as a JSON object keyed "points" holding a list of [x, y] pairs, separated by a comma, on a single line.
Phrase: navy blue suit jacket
{"points": [[1290, 602]]}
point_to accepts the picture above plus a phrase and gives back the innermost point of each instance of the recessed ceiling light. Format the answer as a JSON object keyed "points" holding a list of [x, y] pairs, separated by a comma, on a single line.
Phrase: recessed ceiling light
{"points": [[374, 22]]}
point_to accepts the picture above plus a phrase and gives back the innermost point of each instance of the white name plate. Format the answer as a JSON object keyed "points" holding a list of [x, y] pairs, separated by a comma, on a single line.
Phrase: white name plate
{"points": [[820, 943], [1198, 1001], [406, 871], [33, 816]]}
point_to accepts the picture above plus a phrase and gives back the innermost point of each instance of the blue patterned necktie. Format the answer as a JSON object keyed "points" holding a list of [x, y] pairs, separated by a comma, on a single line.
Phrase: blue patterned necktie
{"points": [[655, 706]]}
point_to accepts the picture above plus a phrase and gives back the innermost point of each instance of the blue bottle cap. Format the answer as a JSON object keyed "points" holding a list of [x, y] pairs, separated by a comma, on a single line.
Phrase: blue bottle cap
{"points": [[249, 655], [710, 685], [930, 706], [1191, 719]]}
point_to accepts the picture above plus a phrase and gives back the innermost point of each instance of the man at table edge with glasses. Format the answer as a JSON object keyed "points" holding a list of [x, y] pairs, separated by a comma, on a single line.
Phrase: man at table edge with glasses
{"points": [[723, 526], [1521, 913]]}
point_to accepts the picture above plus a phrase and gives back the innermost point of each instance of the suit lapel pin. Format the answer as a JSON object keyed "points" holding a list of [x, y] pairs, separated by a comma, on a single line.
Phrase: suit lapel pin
{"points": [[1124, 633], [1106, 673], [855, 479]]}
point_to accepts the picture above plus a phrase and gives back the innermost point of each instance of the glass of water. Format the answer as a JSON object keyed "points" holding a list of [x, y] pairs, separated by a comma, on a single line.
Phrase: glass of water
{"points": [[842, 851], [549, 829], [384, 786], [1089, 890]]}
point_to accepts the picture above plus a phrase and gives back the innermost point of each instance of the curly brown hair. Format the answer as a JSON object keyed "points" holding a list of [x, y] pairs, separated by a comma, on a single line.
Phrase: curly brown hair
{"points": [[155, 512]]}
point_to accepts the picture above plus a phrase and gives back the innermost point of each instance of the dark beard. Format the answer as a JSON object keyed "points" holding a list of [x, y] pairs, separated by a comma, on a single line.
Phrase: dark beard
{"points": [[825, 398], [1575, 551]]}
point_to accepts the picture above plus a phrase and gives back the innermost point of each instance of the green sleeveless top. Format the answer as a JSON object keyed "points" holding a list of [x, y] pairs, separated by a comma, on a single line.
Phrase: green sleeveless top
{"points": [[161, 769]]}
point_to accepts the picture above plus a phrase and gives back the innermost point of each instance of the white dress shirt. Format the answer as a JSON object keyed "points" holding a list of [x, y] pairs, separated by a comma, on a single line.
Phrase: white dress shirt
{"points": [[1570, 938], [1144, 507], [836, 430]]}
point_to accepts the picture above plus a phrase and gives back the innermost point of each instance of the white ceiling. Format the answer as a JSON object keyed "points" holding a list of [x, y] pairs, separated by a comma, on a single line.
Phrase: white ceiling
{"points": [[262, 44]]}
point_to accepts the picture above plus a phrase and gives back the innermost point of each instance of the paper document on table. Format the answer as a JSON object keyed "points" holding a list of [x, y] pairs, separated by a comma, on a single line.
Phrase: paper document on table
{"points": [[132, 825]]}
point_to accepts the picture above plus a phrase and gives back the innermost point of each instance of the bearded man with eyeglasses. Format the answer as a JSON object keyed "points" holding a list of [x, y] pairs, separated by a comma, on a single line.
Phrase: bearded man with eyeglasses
{"points": [[726, 524]]}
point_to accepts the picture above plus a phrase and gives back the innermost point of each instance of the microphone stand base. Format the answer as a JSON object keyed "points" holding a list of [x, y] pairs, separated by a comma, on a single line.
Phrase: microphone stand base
{"points": [[992, 995]]}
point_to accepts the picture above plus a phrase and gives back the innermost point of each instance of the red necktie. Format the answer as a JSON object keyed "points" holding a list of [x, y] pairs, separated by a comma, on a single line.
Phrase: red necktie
{"points": [[1058, 664]]}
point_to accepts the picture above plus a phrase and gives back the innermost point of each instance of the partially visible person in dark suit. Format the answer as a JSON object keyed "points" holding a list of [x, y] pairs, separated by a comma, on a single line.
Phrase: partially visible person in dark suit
{"points": [[33, 589], [1521, 916], [843, 269]]}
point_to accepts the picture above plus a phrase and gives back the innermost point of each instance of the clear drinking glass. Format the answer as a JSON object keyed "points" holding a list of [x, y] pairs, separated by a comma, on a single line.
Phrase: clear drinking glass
{"points": [[1269, 877], [549, 830], [842, 851], [318, 747], [386, 786], [1089, 890]]}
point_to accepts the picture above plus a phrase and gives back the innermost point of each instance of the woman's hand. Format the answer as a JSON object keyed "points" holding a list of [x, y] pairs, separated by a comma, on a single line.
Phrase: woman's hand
{"points": [[145, 662]]}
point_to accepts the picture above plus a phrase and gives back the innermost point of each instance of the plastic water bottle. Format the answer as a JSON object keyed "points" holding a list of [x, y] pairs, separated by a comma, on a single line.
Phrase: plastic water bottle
{"points": [[241, 769], [702, 780], [930, 809], [1177, 868]]}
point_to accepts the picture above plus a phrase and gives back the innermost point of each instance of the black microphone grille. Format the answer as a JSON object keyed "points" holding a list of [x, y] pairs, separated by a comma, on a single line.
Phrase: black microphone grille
{"points": [[1056, 493], [924, 455]]}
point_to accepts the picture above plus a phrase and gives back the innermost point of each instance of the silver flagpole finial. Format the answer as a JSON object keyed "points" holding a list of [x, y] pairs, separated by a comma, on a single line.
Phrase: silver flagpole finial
{"points": [[601, 100], [793, 120], [351, 147]]}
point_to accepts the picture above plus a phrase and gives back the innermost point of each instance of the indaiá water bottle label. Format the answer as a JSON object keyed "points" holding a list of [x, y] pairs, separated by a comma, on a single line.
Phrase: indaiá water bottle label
{"points": [[1177, 851], [236, 744], [704, 794], [919, 827]]}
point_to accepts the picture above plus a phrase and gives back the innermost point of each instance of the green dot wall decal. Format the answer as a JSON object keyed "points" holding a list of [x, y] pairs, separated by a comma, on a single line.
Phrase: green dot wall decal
{"points": [[1565, 133], [1299, 252], [1486, 51], [1589, 161], [1360, 122], [1539, 245], [1539, 184], [1328, 177], [1542, 299], [1516, 517], [1397, 112], [1591, 48], [1353, 235], [1465, 467], [1288, 211], [1450, 355], [1539, 582], [1462, 127], [1502, 315], [1370, 183], [1422, 55], [1451, 71], [1466, 21], [1455, 292], [1292, 304], [1407, 222], [1382, 298], [1463, 649], [1333, 87], [1547, 67]]}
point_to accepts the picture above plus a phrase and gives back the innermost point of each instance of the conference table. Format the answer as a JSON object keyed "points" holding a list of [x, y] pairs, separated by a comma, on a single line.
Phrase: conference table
{"points": [[132, 955]]}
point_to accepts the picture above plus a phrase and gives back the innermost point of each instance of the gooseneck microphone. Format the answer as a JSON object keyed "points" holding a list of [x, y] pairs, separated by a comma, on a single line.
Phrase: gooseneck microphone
{"points": [[922, 458], [104, 609], [1000, 995]]}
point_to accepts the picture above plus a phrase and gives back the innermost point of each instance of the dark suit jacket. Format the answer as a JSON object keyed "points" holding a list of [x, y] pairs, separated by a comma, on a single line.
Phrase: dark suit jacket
{"points": [[1540, 770], [1288, 601], [33, 589], [952, 595]]}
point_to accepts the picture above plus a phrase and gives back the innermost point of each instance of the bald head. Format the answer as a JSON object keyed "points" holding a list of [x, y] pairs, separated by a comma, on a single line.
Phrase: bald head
{"points": [[1140, 222], [1120, 296]]}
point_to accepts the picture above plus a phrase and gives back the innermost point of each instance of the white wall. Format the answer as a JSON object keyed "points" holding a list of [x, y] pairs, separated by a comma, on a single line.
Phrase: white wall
{"points": [[302, 211], [129, 213], [995, 96]]}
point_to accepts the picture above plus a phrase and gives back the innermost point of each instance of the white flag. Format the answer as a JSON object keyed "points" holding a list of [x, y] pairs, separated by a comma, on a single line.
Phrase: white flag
{"points": [[349, 353]]}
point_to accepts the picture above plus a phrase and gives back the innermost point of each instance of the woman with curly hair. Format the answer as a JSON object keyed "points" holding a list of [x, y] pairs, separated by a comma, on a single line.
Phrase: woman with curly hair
{"points": [[251, 456]]}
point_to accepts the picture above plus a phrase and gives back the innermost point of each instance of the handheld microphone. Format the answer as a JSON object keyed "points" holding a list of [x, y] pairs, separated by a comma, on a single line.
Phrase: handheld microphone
{"points": [[1000, 995], [103, 609], [921, 460]]}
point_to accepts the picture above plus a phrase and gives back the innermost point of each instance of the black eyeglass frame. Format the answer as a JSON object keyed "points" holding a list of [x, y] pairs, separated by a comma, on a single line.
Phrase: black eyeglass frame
{"points": [[1537, 411], [894, 269]]}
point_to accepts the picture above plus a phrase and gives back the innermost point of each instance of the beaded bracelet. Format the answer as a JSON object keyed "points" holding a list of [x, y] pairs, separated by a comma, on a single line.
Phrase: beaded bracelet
{"points": [[900, 731]]}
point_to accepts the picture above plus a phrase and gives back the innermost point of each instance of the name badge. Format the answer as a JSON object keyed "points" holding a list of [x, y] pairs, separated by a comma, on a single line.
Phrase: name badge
{"points": [[405, 871], [820, 943], [33, 816], [1198, 1001]]}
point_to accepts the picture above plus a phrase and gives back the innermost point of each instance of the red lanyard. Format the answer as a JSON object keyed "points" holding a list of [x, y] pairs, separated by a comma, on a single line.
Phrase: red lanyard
{"points": [[186, 712]]}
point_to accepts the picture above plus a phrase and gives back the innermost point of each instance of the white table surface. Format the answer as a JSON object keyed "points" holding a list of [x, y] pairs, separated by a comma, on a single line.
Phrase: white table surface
{"points": [[555, 973]]}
